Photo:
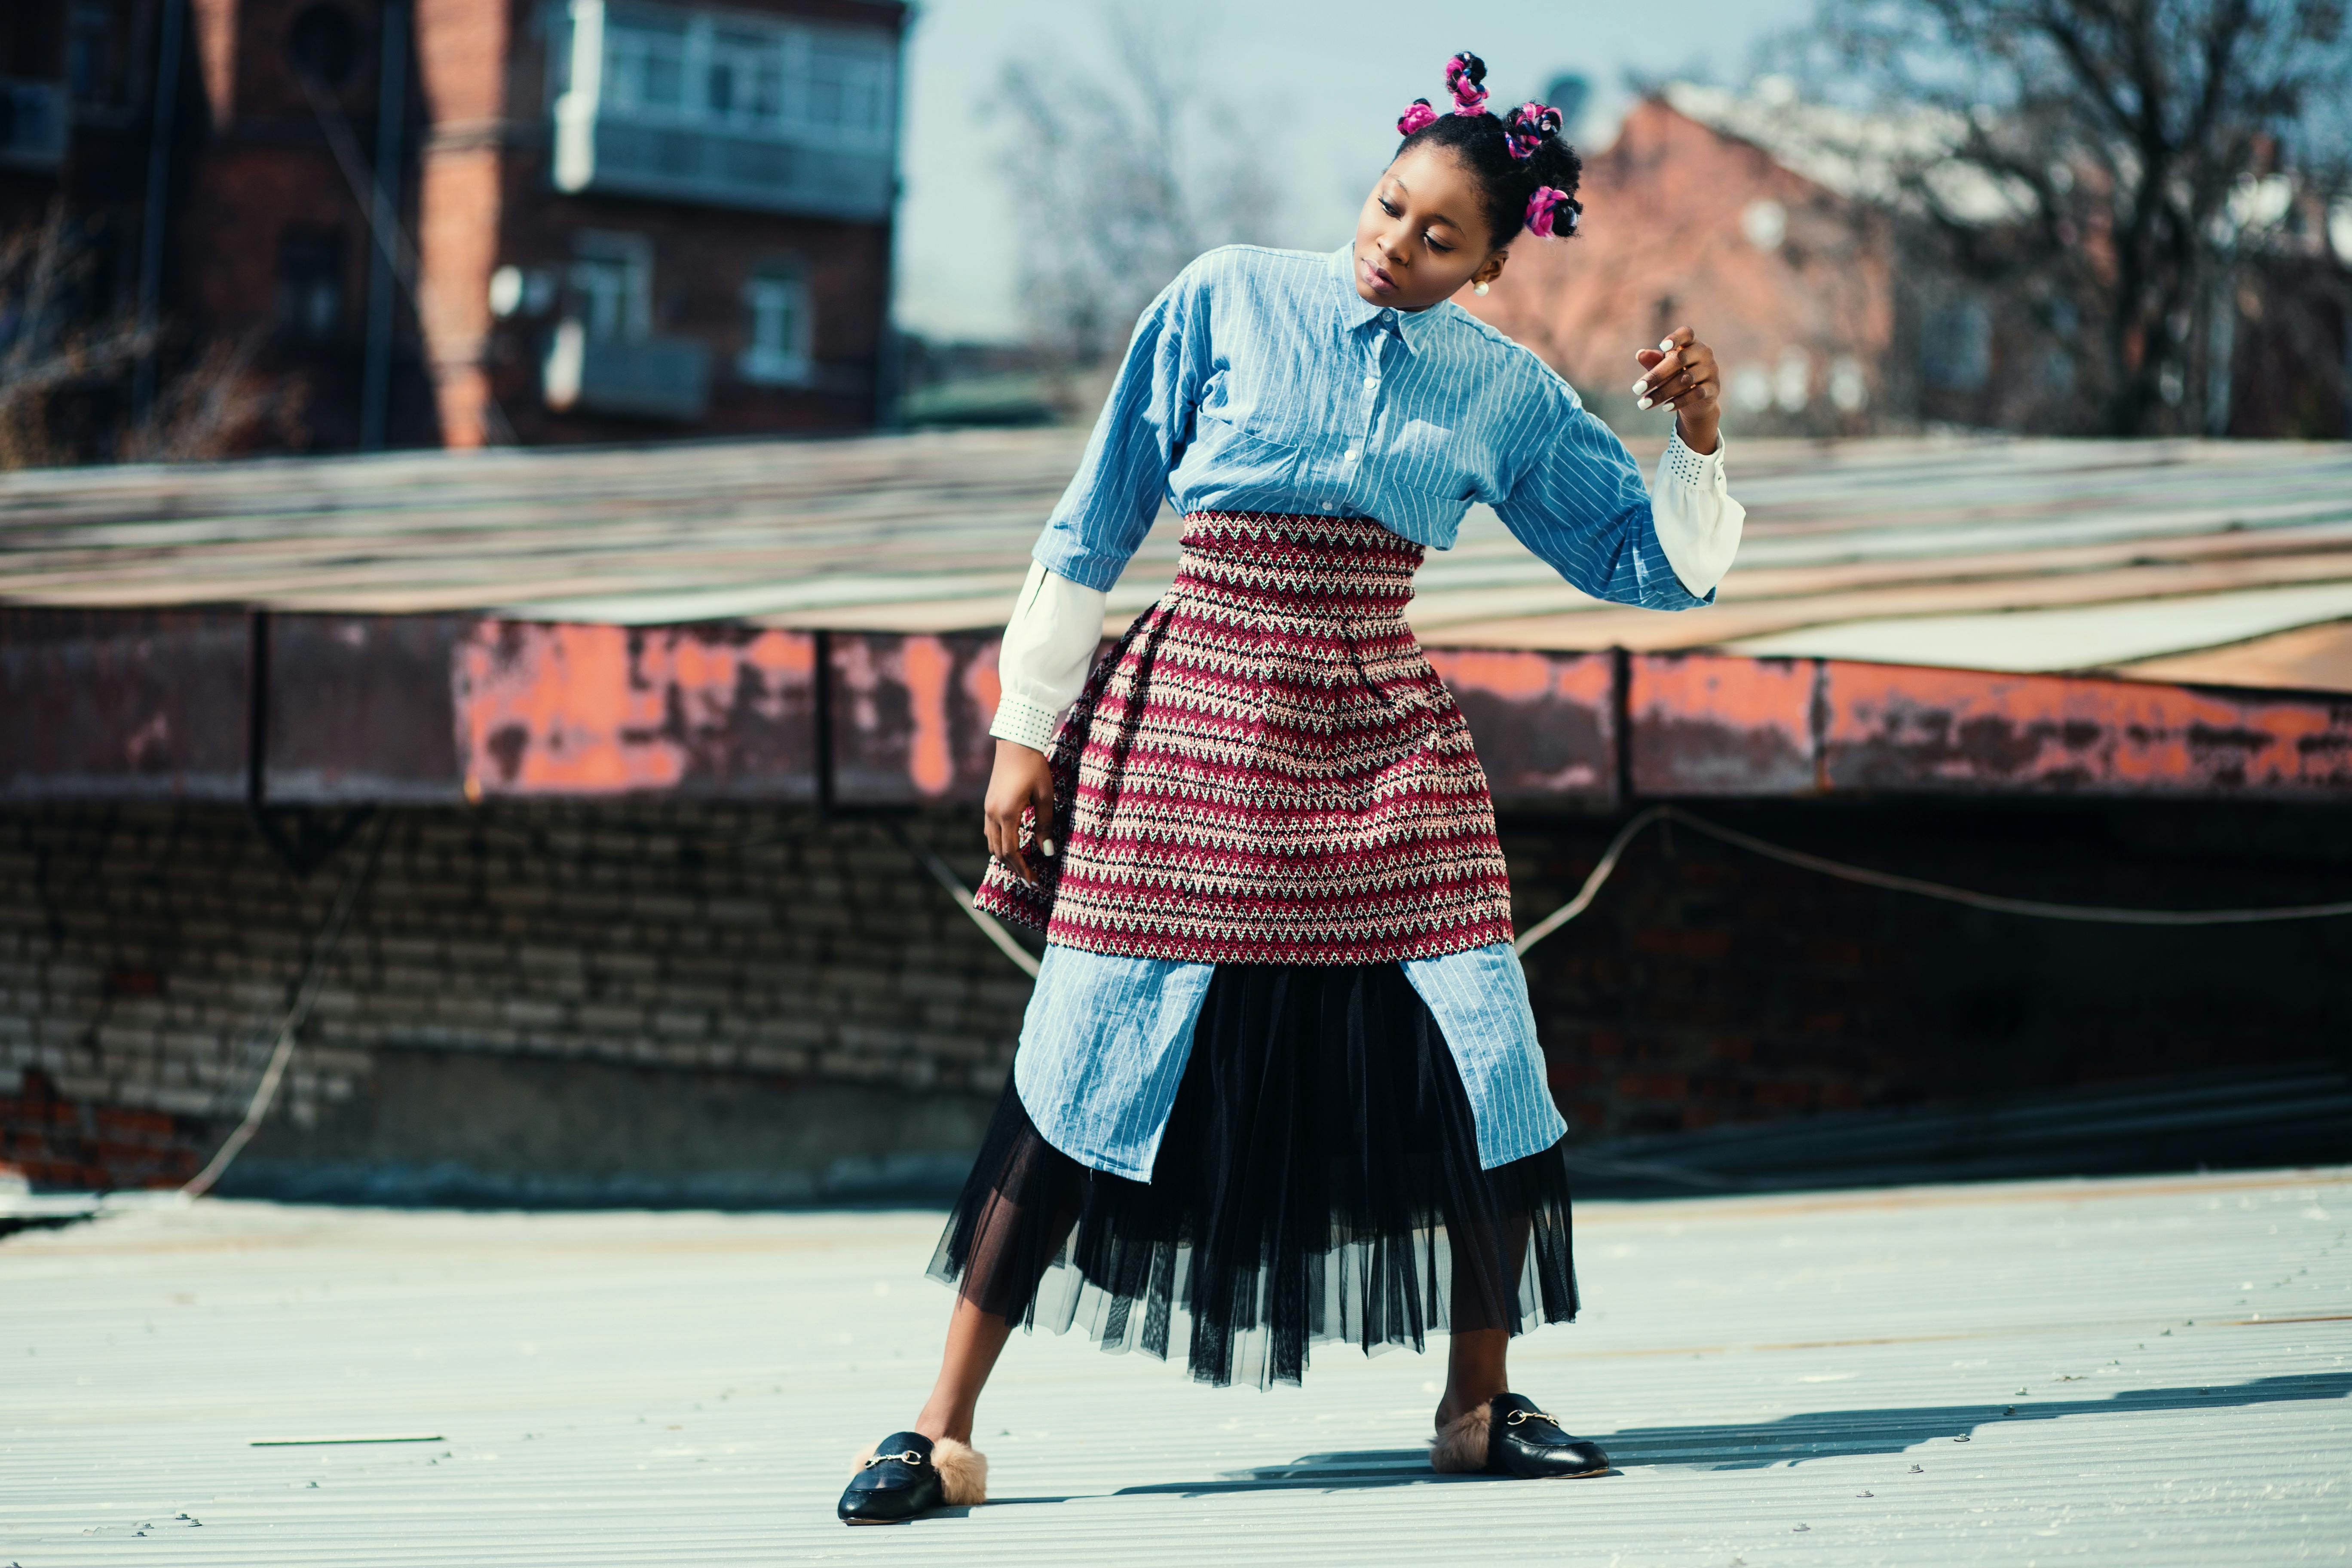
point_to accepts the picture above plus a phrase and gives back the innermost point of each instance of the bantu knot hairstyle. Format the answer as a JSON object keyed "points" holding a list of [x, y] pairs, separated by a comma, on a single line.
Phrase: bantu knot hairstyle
{"points": [[1526, 173], [1466, 75], [1466, 78], [1529, 127]]}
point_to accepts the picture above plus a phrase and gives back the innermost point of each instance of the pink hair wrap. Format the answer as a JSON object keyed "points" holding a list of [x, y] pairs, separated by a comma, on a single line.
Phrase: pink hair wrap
{"points": [[1469, 97], [1544, 209]]}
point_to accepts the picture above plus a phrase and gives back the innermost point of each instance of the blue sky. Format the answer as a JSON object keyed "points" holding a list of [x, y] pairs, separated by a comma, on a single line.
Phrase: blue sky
{"points": [[1330, 76]]}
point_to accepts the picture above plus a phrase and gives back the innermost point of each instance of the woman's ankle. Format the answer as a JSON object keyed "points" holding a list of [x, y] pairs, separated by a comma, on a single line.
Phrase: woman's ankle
{"points": [[937, 1423]]}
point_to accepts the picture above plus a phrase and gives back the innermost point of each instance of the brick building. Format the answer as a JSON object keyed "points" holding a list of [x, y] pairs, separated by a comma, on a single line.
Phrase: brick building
{"points": [[1707, 211], [457, 221], [1775, 227]]}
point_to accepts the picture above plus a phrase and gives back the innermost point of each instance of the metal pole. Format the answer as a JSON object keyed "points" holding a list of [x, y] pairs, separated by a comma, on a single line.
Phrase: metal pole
{"points": [[890, 343], [158, 191], [392, 91]]}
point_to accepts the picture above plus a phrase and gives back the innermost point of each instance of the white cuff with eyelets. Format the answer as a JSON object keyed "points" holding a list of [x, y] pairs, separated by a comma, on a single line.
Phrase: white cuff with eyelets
{"points": [[1699, 523], [1024, 723], [1042, 665]]}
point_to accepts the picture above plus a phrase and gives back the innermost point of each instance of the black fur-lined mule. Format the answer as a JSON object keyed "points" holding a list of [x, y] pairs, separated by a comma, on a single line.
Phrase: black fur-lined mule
{"points": [[1509, 1435], [907, 1474]]}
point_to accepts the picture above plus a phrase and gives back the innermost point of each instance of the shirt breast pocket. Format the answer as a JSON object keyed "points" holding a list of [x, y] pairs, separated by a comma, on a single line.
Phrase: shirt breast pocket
{"points": [[1234, 459]]}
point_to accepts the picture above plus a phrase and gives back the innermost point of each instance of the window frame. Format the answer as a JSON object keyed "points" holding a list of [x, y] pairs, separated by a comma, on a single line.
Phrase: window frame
{"points": [[792, 363], [865, 62], [631, 253]]}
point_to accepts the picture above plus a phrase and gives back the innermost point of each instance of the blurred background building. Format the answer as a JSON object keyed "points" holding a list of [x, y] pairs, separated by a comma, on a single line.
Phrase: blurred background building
{"points": [[1839, 306], [329, 225]]}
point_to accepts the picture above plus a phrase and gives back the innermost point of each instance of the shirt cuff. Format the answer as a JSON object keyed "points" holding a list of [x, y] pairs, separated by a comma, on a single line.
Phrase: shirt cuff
{"points": [[1024, 723], [1699, 523], [1700, 471]]}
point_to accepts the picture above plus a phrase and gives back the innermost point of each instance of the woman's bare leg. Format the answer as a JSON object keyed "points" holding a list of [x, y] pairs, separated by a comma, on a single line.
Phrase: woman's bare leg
{"points": [[1476, 1357], [975, 1338]]}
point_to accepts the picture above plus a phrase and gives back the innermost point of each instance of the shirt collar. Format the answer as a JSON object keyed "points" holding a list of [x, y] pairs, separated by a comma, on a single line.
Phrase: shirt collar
{"points": [[1417, 329]]}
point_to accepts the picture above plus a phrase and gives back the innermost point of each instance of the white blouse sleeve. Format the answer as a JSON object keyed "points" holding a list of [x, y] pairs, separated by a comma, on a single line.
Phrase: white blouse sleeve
{"points": [[1699, 523], [1049, 645]]}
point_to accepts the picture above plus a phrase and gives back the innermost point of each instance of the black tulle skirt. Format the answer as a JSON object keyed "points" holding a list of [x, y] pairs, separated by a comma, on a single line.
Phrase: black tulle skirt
{"points": [[1318, 1179]]}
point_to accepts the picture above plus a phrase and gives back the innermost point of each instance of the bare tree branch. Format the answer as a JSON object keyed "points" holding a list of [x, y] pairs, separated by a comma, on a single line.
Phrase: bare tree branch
{"points": [[2125, 130]]}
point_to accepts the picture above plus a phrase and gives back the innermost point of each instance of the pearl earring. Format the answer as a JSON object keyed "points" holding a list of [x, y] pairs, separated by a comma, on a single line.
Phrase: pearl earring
{"points": [[1479, 290]]}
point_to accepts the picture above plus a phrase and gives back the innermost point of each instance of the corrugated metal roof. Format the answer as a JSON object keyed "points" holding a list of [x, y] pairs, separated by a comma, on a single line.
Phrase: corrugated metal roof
{"points": [[1991, 553], [2142, 1371]]}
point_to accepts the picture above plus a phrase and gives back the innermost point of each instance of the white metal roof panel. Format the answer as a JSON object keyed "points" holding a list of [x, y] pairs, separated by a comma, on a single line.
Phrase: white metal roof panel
{"points": [[2143, 1373]]}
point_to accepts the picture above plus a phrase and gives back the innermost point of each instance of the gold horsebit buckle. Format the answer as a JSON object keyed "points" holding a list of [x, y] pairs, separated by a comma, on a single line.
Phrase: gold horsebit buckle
{"points": [[909, 1457], [1516, 1416]]}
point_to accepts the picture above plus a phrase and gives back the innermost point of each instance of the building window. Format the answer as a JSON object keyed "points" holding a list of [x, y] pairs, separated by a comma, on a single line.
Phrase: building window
{"points": [[612, 285], [1956, 348], [90, 59], [1849, 384], [310, 284], [677, 66], [720, 107], [777, 352], [1793, 382]]}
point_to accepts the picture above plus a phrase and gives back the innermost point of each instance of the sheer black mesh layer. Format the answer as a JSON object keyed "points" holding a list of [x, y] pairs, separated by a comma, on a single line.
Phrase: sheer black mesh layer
{"points": [[1318, 1179]]}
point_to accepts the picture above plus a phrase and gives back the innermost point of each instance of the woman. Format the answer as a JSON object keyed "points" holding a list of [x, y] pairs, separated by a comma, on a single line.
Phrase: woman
{"points": [[1279, 1070]]}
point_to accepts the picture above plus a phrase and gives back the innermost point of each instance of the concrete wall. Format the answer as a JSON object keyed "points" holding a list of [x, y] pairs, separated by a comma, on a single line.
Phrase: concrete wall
{"points": [[706, 1003]]}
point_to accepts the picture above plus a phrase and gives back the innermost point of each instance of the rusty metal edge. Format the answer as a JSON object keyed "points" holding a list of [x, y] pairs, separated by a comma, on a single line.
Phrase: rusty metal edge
{"points": [[2328, 713]]}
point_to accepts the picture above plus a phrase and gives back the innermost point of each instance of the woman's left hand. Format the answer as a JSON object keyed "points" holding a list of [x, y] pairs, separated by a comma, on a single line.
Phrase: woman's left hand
{"points": [[1680, 373]]}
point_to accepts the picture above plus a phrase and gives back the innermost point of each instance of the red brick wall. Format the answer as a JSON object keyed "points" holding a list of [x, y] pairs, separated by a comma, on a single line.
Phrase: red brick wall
{"points": [[80, 1146]]}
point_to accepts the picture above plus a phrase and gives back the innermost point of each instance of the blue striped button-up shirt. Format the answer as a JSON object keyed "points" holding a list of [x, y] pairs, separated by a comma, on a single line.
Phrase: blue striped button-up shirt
{"points": [[1261, 381]]}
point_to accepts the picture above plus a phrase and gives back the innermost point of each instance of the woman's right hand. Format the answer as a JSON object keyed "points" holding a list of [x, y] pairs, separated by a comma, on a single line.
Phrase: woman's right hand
{"points": [[1021, 779]]}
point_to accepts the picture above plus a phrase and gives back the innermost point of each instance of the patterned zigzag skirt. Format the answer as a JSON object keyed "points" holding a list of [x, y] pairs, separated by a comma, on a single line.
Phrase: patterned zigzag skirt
{"points": [[1267, 769]]}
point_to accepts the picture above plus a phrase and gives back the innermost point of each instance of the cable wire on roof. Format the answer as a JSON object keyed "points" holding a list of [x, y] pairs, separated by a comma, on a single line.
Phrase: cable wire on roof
{"points": [[306, 991], [944, 874], [2036, 908]]}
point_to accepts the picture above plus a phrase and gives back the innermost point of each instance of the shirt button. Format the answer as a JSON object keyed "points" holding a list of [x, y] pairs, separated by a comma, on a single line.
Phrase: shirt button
{"points": [[1370, 382], [1327, 506], [1351, 454]]}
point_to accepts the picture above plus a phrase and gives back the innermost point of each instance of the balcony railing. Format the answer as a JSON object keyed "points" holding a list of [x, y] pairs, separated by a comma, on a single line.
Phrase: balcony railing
{"points": [[658, 378], [33, 123], [660, 100]]}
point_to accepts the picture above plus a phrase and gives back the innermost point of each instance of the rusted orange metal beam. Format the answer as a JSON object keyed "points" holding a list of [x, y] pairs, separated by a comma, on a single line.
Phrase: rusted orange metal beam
{"points": [[1723, 724], [710, 709], [1892, 726], [126, 704]]}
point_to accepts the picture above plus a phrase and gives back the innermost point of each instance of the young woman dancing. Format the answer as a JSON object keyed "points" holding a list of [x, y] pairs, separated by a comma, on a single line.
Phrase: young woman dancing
{"points": [[1279, 1070]]}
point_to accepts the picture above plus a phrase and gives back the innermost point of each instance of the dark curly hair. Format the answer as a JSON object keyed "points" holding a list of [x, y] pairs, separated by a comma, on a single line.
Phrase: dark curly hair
{"points": [[1516, 159]]}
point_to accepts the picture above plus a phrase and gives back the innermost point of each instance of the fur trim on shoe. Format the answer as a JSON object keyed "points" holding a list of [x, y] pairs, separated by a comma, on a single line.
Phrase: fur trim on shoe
{"points": [[963, 1473], [1460, 1446]]}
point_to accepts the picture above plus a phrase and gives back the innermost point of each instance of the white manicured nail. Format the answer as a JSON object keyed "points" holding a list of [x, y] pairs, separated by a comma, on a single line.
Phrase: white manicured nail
{"points": [[1045, 845], [1666, 404], [1666, 345], [1641, 386], [1644, 404]]}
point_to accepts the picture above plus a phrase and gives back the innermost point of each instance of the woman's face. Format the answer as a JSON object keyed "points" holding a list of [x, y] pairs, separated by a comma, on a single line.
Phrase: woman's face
{"points": [[1423, 233]]}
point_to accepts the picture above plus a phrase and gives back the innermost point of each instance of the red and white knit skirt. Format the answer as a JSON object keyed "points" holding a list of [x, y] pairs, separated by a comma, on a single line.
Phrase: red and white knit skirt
{"points": [[1267, 769]]}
